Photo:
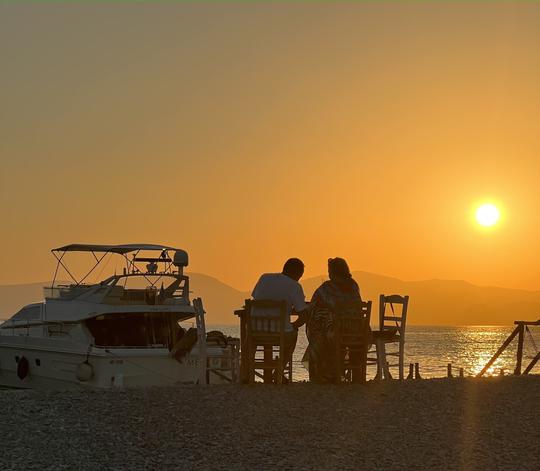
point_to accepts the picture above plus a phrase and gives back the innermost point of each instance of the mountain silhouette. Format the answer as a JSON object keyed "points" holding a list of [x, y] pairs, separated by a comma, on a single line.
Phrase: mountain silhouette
{"points": [[432, 302]]}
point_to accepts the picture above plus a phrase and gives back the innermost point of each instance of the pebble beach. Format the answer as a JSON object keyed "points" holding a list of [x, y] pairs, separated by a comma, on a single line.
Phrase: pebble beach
{"points": [[465, 424]]}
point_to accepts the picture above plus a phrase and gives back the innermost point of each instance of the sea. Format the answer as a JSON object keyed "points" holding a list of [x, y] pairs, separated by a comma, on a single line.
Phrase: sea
{"points": [[434, 347]]}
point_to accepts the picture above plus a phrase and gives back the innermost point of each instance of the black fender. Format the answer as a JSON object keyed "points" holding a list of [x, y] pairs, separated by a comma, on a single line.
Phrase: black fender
{"points": [[23, 368]]}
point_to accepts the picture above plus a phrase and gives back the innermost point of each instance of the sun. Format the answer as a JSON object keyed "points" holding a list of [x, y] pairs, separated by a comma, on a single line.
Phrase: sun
{"points": [[487, 215]]}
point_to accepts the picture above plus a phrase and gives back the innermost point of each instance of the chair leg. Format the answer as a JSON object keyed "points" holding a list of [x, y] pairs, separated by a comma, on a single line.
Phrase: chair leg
{"points": [[268, 357], [358, 367], [280, 365], [386, 370], [337, 362], [378, 372], [401, 360], [363, 366], [288, 360], [387, 373], [290, 368], [279, 375], [246, 362], [341, 364], [381, 359], [251, 364]]}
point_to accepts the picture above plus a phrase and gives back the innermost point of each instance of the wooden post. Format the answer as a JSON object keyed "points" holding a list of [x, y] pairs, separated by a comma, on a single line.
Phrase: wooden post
{"points": [[461, 373], [417, 371], [411, 371], [519, 356], [501, 349], [449, 370]]}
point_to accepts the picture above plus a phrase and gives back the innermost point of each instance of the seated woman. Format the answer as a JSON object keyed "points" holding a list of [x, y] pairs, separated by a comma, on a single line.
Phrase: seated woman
{"points": [[333, 295]]}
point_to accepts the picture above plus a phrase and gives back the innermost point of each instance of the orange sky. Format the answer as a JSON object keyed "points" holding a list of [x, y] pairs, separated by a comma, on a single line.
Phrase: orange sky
{"points": [[250, 133]]}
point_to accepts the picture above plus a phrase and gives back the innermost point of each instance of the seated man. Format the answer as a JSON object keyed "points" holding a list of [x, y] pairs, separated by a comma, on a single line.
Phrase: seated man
{"points": [[285, 286]]}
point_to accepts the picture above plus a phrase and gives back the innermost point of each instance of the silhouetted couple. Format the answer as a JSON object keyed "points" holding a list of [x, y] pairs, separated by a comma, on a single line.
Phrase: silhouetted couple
{"points": [[339, 290]]}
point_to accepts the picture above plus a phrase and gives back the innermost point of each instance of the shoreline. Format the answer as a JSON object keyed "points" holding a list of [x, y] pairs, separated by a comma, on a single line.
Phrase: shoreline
{"points": [[488, 423]]}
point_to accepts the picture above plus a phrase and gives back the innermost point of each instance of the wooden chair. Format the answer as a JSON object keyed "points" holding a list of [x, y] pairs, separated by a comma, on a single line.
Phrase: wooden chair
{"points": [[391, 331], [267, 354], [352, 337]]}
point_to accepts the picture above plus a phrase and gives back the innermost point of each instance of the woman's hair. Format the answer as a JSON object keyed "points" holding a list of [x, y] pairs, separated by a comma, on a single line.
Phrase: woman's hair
{"points": [[338, 270]]}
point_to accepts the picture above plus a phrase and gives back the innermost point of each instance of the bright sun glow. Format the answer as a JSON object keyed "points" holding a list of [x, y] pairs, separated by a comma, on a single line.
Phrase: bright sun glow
{"points": [[487, 215]]}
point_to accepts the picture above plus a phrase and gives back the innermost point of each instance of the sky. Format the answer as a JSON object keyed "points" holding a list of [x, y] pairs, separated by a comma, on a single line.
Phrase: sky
{"points": [[250, 133]]}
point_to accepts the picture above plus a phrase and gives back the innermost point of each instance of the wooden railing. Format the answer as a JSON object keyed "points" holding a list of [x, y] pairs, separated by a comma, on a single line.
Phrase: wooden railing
{"points": [[519, 331]]}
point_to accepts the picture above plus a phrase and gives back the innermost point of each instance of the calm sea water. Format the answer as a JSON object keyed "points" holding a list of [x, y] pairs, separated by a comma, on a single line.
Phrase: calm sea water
{"points": [[467, 347]]}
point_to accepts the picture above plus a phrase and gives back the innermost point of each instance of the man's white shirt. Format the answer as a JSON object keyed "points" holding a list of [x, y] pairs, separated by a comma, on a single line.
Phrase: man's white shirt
{"points": [[280, 287]]}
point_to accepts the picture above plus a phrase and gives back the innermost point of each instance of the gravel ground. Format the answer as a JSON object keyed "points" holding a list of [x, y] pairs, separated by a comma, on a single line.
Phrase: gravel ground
{"points": [[492, 423]]}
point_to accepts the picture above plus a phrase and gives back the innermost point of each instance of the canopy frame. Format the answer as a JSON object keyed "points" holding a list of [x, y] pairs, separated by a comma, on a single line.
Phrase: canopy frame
{"points": [[122, 250]]}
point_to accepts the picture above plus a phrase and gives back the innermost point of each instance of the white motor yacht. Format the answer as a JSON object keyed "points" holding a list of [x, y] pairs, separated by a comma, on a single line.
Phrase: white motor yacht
{"points": [[137, 328]]}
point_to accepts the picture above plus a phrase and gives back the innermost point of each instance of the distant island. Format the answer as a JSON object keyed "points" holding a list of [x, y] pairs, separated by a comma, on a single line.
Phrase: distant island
{"points": [[433, 302]]}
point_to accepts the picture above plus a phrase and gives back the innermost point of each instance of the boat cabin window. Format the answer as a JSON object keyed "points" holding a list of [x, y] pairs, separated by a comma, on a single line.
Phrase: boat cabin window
{"points": [[30, 313], [134, 330]]}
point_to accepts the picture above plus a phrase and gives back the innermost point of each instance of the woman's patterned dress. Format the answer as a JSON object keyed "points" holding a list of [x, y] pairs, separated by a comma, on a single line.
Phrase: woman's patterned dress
{"points": [[330, 299]]}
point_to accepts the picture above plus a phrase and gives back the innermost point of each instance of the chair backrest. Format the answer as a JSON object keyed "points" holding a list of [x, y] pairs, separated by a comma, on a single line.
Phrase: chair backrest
{"points": [[265, 316], [352, 337], [353, 319], [393, 312]]}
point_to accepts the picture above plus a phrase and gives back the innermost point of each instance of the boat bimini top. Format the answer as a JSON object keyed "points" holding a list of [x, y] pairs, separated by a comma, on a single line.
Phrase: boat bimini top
{"points": [[148, 264], [119, 249]]}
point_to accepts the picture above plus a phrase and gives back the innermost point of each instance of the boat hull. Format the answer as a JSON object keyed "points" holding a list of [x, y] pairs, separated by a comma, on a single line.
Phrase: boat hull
{"points": [[55, 366]]}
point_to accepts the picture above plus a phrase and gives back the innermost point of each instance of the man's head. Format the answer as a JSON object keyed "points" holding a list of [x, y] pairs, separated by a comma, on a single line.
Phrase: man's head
{"points": [[293, 268]]}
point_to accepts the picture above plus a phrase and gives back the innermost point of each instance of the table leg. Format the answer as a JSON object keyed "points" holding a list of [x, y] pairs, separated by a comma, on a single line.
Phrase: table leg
{"points": [[244, 353]]}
